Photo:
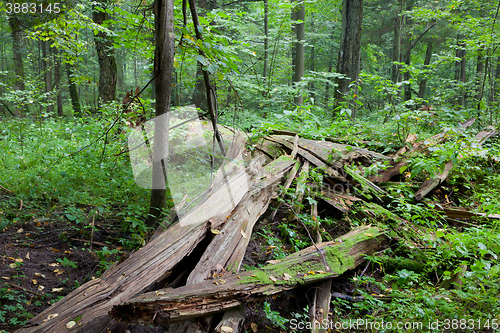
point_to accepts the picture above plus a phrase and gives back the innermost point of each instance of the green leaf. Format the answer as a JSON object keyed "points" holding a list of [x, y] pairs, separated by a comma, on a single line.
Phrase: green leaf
{"points": [[202, 60]]}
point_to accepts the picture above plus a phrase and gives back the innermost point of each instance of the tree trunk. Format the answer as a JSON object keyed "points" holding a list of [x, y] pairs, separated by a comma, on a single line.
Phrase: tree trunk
{"points": [[350, 41], [298, 50], [73, 92], [460, 70], [396, 46], [163, 69], [266, 39], [200, 94], [120, 72], [479, 75], [407, 76], [47, 69], [57, 81], [106, 57], [15, 26], [427, 61], [200, 91], [326, 260]]}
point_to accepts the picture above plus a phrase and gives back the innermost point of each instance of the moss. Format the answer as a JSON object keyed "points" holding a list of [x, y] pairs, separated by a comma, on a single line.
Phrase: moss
{"points": [[337, 257], [275, 164]]}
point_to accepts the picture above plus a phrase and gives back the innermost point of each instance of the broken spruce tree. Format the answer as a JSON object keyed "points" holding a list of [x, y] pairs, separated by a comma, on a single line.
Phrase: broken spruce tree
{"points": [[192, 270]]}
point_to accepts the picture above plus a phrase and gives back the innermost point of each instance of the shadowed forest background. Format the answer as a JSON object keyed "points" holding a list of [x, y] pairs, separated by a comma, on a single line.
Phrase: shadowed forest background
{"points": [[409, 90]]}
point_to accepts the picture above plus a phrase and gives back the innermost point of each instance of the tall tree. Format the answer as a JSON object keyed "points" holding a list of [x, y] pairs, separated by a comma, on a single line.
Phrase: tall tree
{"points": [[427, 61], [350, 42], [298, 50], [47, 69], [15, 26], [73, 91], [57, 81], [396, 46], [105, 55], [199, 93], [163, 69], [460, 66], [266, 39]]}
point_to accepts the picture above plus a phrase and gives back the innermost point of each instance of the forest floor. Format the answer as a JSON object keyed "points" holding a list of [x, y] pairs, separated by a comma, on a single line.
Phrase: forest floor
{"points": [[43, 258], [67, 215]]}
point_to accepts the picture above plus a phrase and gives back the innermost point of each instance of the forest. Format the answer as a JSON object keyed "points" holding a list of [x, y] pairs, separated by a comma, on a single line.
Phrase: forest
{"points": [[249, 166]]}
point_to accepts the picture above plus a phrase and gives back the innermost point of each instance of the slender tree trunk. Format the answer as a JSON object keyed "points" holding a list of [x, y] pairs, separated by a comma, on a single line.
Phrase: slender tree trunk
{"points": [[479, 75], [163, 69], [200, 94], [298, 51], [106, 57], [396, 46], [73, 92], [57, 82], [47, 68], [497, 80], [330, 68], [15, 26], [200, 91], [350, 42], [427, 61], [266, 39], [407, 75], [120, 73]]}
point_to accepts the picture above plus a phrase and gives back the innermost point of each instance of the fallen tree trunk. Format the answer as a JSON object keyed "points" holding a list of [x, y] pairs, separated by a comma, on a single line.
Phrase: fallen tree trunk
{"points": [[433, 182], [311, 265], [146, 269]]}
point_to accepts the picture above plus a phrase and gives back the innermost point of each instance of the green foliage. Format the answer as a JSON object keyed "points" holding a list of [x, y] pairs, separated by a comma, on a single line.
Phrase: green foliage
{"points": [[274, 316]]}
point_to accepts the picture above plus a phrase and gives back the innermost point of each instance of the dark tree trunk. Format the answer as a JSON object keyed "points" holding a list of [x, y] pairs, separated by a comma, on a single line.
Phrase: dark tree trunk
{"points": [[350, 40], [120, 72], [266, 39], [497, 80], [200, 94], [479, 75], [47, 69], [106, 57], [163, 69], [396, 46], [427, 61], [407, 76], [200, 91], [15, 26], [298, 52], [73, 92], [460, 70], [57, 82]]}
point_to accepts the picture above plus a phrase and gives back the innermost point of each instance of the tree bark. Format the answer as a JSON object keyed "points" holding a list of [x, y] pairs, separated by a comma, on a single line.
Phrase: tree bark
{"points": [[266, 39], [163, 69], [73, 91], [427, 61], [47, 71], [106, 57], [17, 42], [298, 50], [396, 46], [350, 42], [57, 81], [460, 70], [325, 261]]}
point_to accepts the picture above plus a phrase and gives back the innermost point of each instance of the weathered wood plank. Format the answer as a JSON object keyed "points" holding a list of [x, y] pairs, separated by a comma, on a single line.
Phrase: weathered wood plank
{"points": [[435, 181], [228, 247], [212, 296], [143, 269]]}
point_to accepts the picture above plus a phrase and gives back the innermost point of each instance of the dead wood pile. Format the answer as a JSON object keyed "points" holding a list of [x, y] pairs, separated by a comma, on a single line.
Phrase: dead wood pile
{"points": [[207, 255]]}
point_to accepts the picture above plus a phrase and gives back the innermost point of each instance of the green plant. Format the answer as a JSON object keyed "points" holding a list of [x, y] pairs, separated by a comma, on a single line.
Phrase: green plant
{"points": [[104, 256], [274, 316]]}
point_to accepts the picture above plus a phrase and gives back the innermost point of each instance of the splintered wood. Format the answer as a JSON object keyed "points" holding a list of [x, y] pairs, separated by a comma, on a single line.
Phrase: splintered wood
{"points": [[223, 221]]}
